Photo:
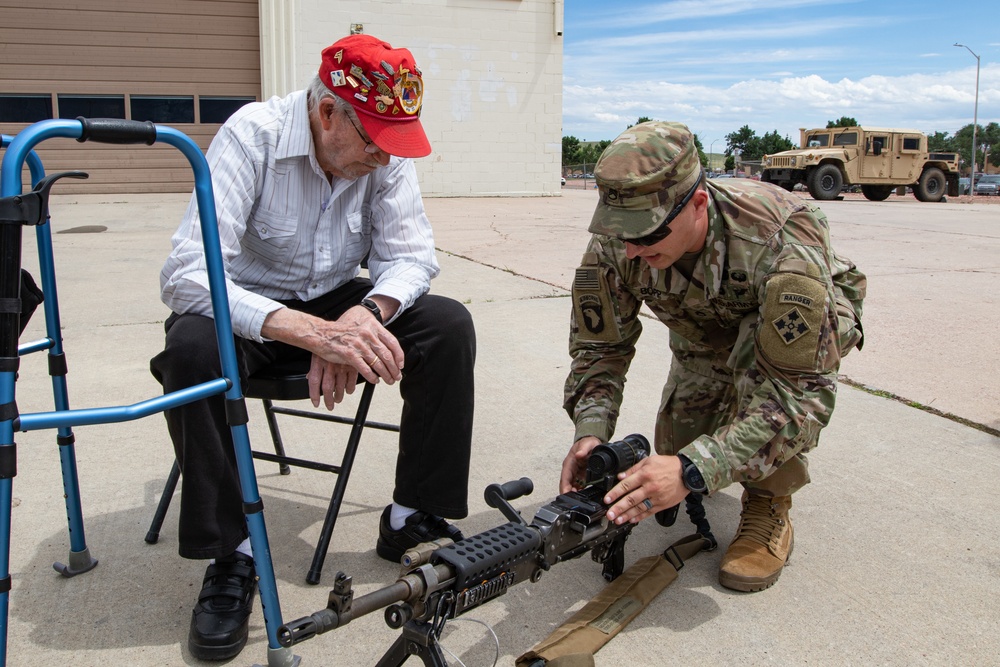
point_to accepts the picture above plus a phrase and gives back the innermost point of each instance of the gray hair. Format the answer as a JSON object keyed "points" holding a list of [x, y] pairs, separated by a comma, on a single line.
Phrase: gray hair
{"points": [[317, 90]]}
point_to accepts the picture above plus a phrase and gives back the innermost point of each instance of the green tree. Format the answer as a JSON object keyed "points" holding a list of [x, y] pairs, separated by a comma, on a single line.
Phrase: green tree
{"points": [[750, 147], [940, 141], [989, 141], [743, 141], [962, 142], [642, 119], [701, 152], [843, 121], [772, 143], [591, 152], [570, 150]]}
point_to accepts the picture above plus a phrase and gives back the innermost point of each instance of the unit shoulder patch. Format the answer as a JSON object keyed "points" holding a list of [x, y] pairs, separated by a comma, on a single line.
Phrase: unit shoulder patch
{"points": [[592, 308], [794, 308], [791, 326]]}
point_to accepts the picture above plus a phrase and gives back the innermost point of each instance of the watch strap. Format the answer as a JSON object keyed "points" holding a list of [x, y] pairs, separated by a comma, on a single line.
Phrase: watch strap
{"points": [[692, 477], [373, 308]]}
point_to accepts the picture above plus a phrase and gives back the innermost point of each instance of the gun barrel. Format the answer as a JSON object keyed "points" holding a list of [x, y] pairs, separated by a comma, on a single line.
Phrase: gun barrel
{"points": [[407, 588]]}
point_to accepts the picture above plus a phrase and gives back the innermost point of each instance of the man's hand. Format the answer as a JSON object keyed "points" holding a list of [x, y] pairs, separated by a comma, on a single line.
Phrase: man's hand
{"points": [[329, 381], [574, 468], [356, 340], [656, 478], [371, 349]]}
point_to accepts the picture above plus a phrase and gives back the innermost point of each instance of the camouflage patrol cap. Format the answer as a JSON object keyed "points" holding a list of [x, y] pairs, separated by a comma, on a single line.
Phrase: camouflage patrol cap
{"points": [[641, 176]]}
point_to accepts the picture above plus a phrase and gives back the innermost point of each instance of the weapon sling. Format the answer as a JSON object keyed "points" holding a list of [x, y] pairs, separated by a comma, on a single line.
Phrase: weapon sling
{"points": [[613, 608]]}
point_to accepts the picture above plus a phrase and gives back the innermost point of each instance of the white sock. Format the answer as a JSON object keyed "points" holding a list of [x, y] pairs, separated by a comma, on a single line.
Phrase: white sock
{"points": [[244, 549], [398, 515]]}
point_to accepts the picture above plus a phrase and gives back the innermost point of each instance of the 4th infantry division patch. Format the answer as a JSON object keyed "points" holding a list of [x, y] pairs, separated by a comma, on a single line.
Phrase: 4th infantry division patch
{"points": [[791, 326]]}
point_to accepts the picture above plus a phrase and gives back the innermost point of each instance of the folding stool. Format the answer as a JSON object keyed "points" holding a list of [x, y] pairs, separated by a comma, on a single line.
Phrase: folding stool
{"points": [[287, 382]]}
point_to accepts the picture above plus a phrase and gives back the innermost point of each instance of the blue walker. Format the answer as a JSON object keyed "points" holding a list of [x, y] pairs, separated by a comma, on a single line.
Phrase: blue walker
{"points": [[17, 210]]}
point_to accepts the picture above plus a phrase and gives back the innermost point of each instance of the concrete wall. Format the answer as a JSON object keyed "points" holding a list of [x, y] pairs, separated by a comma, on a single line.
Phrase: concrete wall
{"points": [[492, 81]]}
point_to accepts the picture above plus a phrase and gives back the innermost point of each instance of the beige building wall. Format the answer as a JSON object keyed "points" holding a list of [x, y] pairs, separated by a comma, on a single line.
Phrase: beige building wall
{"points": [[492, 81], [492, 77]]}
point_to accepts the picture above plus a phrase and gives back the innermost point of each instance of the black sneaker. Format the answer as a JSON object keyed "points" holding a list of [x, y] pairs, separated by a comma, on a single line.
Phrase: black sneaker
{"points": [[420, 527], [221, 618]]}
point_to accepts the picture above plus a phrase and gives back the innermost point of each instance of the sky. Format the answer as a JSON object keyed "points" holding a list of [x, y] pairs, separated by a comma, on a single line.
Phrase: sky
{"points": [[717, 65]]}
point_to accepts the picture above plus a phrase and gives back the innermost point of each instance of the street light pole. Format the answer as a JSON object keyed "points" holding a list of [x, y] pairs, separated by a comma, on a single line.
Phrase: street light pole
{"points": [[711, 151], [975, 121]]}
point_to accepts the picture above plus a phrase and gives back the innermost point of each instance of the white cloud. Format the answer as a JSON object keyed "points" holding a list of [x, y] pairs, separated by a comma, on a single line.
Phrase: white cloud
{"points": [[929, 102]]}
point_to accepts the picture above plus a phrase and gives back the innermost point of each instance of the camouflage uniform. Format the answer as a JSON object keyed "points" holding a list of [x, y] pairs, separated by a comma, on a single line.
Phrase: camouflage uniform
{"points": [[756, 333]]}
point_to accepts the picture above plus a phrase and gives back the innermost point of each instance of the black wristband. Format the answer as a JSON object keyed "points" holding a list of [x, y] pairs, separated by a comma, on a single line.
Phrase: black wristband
{"points": [[692, 477], [373, 308]]}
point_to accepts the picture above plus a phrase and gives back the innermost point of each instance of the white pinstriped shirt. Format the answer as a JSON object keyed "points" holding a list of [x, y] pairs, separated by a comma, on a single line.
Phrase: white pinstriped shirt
{"points": [[287, 233]]}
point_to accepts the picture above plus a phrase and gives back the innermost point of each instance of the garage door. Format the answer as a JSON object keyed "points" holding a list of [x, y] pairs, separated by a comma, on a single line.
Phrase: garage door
{"points": [[184, 63]]}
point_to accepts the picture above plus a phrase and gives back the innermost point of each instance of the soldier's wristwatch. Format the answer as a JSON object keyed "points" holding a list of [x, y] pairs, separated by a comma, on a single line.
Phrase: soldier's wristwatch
{"points": [[692, 477], [373, 307]]}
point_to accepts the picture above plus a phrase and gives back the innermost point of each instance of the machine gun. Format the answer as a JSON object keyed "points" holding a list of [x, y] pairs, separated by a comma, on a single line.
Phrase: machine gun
{"points": [[443, 579]]}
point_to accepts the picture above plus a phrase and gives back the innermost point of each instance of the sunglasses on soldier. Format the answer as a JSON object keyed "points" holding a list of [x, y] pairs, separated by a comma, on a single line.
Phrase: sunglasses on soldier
{"points": [[663, 231]]}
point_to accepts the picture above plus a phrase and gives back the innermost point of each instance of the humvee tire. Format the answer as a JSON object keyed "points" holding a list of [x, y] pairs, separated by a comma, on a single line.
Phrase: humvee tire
{"points": [[931, 186], [825, 182], [877, 192]]}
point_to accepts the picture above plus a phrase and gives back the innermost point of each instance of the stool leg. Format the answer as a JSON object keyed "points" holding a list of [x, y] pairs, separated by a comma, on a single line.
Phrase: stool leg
{"points": [[316, 569], [153, 534], [272, 426]]}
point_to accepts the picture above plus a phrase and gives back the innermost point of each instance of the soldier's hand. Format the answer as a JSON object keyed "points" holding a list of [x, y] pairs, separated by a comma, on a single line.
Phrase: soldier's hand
{"points": [[651, 485], [574, 468]]}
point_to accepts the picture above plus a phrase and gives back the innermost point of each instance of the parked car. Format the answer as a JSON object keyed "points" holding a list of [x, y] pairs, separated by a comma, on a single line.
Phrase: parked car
{"points": [[964, 185], [988, 184]]}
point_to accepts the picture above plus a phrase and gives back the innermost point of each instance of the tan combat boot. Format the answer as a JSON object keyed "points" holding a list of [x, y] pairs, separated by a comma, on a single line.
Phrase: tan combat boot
{"points": [[762, 544]]}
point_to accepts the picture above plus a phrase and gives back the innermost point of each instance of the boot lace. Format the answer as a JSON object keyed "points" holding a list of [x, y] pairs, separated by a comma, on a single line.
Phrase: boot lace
{"points": [[759, 523]]}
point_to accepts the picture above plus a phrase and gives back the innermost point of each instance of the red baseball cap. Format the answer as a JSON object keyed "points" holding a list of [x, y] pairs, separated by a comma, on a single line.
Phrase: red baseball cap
{"points": [[385, 87]]}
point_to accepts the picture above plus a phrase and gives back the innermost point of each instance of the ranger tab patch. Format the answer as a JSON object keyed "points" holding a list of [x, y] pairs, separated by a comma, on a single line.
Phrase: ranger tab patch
{"points": [[791, 326], [800, 299]]}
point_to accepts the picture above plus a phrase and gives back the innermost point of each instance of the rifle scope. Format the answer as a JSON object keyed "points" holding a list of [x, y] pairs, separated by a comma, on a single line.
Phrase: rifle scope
{"points": [[615, 457]]}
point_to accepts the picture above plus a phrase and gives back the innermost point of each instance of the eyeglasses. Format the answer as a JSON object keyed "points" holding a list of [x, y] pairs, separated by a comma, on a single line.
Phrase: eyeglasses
{"points": [[663, 231], [370, 146]]}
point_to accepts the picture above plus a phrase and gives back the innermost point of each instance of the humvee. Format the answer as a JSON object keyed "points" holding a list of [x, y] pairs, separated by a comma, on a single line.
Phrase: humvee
{"points": [[878, 159]]}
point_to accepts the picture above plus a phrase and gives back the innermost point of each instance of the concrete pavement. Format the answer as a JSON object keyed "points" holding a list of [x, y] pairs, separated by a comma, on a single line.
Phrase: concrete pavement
{"points": [[895, 560]]}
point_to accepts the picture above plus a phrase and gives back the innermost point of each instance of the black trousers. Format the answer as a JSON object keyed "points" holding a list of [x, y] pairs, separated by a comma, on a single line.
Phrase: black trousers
{"points": [[435, 438]]}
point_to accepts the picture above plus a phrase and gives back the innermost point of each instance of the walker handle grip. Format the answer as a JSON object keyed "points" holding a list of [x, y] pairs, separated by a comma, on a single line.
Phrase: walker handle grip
{"points": [[117, 131]]}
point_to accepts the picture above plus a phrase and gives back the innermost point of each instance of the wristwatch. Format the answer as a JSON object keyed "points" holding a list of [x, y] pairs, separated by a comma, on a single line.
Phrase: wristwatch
{"points": [[692, 476], [373, 307]]}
